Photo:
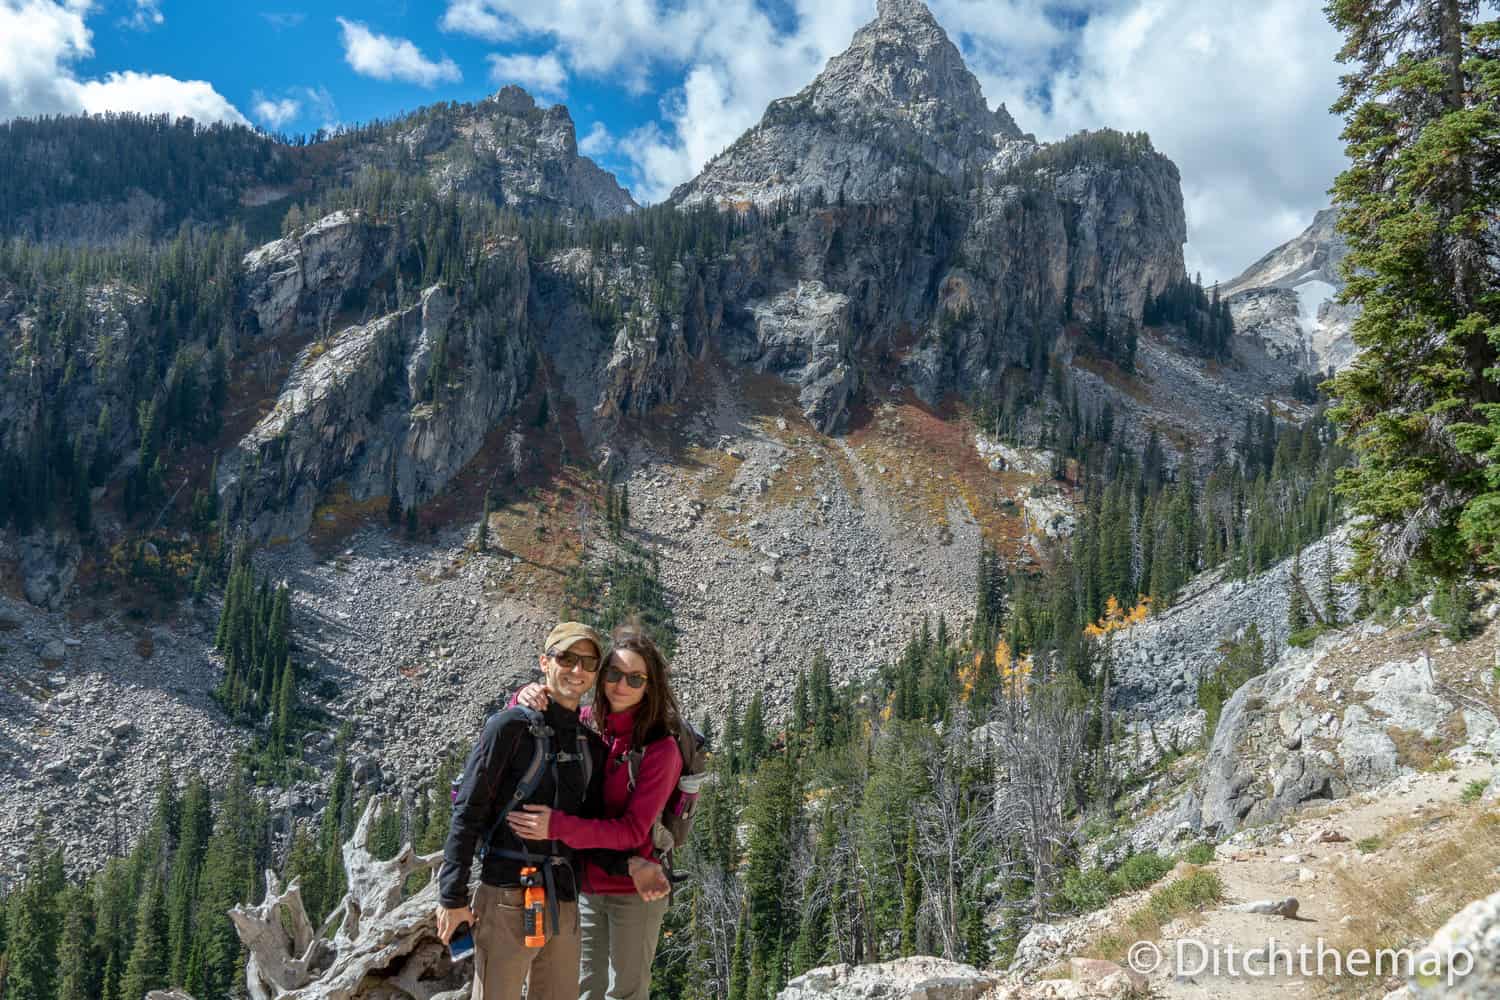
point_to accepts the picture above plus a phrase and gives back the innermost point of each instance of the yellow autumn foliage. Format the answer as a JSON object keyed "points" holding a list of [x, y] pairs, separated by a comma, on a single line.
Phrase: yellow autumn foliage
{"points": [[1116, 617]]}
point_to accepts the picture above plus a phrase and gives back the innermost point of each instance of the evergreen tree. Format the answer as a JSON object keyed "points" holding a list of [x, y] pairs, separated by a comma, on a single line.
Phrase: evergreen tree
{"points": [[393, 508], [739, 963], [195, 828], [754, 743], [34, 924], [147, 968], [976, 936], [1330, 593], [78, 962], [911, 896], [771, 814], [1296, 611], [1421, 102]]}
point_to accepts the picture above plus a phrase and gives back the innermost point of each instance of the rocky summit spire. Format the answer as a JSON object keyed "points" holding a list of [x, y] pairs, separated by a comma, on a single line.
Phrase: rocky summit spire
{"points": [[904, 10], [899, 99], [903, 64]]}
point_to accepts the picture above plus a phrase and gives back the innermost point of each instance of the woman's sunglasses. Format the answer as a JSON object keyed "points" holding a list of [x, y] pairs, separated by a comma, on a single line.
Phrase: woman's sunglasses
{"points": [[614, 675]]}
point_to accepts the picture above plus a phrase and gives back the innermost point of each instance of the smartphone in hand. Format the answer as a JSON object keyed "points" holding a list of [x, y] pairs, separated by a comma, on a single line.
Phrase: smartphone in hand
{"points": [[461, 944]]}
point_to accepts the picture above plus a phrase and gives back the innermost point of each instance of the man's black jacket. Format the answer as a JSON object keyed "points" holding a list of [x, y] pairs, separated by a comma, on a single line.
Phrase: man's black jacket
{"points": [[494, 768]]}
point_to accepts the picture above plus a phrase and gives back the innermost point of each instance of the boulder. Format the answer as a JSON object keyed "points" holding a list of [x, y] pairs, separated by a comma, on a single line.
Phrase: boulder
{"points": [[1100, 976], [366, 771], [1442, 968], [917, 978], [49, 563], [53, 653]]}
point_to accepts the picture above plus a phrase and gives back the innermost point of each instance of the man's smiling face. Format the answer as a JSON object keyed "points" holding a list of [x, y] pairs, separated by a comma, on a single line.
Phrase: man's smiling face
{"points": [[567, 673]]}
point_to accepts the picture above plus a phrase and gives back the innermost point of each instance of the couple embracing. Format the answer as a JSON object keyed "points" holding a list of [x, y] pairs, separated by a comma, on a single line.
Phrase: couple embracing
{"points": [[561, 803]]}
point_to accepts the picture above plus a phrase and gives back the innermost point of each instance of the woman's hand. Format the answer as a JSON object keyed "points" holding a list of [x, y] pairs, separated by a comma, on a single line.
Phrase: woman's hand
{"points": [[531, 822], [650, 879], [533, 695]]}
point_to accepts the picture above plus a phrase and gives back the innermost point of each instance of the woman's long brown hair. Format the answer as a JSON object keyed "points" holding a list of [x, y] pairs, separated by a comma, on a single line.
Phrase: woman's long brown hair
{"points": [[657, 714]]}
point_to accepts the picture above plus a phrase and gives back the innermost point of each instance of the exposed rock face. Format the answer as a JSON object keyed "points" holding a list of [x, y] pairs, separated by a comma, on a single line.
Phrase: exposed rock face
{"points": [[1099, 232], [503, 147], [49, 563], [362, 409], [944, 293], [918, 978], [305, 279], [1323, 723], [1286, 299], [803, 334], [899, 99]]}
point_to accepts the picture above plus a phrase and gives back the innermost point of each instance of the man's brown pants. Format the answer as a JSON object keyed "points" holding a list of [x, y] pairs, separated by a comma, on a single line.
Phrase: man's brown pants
{"points": [[502, 962]]}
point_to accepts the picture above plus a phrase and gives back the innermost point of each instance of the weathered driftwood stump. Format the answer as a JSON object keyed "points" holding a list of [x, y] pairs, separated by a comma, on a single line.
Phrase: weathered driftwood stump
{"points": [[384, 949]]}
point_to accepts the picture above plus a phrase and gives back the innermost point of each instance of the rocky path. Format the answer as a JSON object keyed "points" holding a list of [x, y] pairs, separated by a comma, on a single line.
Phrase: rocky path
{"points": [[1299, 861]]}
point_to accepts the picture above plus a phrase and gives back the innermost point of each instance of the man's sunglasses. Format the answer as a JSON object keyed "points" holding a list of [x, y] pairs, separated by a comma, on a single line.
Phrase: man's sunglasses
{"points": [[568, 659], [614, 675]]}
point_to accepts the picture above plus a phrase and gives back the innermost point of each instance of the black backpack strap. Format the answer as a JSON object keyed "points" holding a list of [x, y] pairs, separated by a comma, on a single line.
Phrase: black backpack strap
{"points": [[541, 740], [633, 760], [580, 754]]}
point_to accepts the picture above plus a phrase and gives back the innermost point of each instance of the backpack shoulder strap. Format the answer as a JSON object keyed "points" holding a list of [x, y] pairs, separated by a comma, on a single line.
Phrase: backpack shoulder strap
{"points": [[541, 742], [633, 760], [586, 758]]}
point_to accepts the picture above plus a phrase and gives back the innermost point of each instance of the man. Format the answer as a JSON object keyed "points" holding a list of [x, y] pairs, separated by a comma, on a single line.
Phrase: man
{"points": [[502, 960]]}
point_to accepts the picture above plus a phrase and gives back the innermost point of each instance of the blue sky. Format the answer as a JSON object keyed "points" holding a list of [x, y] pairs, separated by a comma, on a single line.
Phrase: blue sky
{"points": [[1236, 93]]}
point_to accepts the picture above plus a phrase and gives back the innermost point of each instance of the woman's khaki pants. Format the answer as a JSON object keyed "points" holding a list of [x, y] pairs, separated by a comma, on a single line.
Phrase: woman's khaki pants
{"points": [[619, 942], [502, 962]]}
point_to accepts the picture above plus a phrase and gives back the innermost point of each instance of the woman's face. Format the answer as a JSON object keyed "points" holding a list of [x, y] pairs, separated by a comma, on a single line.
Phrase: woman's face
{"points": [[621, 695]]}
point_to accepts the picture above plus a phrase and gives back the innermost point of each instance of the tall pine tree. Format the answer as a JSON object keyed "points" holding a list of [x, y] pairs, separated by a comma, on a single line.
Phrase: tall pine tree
{"points": [[1421, 404]]}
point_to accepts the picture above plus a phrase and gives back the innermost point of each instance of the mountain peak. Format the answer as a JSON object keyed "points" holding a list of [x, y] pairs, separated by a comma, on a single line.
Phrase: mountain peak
{"points": [[904, 10], [903, 64], [899, 98]]}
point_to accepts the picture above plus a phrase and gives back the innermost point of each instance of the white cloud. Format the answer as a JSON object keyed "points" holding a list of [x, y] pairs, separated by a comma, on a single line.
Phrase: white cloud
{"points": [[41, 40], [597, 142], [314, 103], [474, 17], [543, 75], [155, 93], [275, 113], [386, 58], [147, 15], [1236, 94]]}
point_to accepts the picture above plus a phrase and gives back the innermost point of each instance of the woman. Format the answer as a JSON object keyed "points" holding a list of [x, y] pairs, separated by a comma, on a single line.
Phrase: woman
{"points": [[636, 714]]}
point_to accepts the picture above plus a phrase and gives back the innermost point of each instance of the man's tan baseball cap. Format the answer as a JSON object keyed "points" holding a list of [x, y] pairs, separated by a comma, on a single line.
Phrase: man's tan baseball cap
{"points": [[567, 633]]}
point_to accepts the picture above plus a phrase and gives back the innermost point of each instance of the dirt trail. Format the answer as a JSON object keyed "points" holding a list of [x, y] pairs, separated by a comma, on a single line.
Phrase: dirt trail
{"points": [[1256, 873]]}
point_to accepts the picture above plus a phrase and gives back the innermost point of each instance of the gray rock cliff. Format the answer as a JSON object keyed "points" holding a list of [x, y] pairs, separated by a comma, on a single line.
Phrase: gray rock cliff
{"points": [[1286, 299]]}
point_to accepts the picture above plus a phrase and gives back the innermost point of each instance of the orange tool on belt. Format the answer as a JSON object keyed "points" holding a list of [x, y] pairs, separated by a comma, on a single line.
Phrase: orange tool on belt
{"points": [[534, 909]]}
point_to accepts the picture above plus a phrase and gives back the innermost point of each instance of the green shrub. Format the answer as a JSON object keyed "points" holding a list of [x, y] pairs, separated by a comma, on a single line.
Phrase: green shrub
{"points": [[1474, 789], [1302, 638], [1086, 889], [1140, 871], [1367, 845], [1200, 853], [1186, 894], [1453, 605]]}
